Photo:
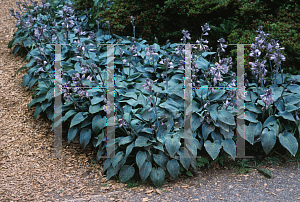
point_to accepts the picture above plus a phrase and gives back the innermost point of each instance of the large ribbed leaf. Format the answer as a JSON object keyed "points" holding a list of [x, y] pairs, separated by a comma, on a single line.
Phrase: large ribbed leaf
{"points": [[98, 123], [157, 176], [207, 129], [172, 143], [289, 142], [161, 159], [173, 168], [85, 136], [229, 147], [268, 139], [145, 170], [126, 173], [141, 157], [226, 117], [213, 148], [77, 119]]}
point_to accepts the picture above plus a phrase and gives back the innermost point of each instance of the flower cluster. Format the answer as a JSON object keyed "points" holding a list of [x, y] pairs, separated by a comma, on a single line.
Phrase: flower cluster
{"points": [[220, 68], [148, 85], [267, 98], [206, 118], [259, 67]]}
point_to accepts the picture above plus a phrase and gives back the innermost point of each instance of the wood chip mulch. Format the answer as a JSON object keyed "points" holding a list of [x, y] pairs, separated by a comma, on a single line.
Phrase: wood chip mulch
{"points": [[28, 172]]}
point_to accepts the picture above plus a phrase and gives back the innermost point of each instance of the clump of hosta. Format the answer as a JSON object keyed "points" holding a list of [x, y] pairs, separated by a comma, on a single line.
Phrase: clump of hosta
{"points": [[149, 94]]}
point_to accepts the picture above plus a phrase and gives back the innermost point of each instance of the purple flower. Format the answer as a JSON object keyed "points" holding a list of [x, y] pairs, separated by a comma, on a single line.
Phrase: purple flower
{"points": [[122, 122], [267, 97], [186, 35], [148, 85]]}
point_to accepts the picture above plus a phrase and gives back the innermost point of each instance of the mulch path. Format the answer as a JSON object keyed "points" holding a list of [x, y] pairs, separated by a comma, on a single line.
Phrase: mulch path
{"points": [[29, 173]]}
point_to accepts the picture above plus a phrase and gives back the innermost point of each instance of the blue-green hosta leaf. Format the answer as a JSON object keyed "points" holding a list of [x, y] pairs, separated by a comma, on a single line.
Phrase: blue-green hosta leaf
{"points": [[261, 103], [222, 125], [110, 173], [50, 94], [279, 105], [38, 110], [292, 99], [202, 92], [129, 148], [26, 80], [204, 54], [226, 117], [176, 90], [142, 141], [107, 164], [173, 168], [202, 63], [170, 108], [268, 139], [227, 135], [96, 100], [270, 121], [98, 123], [185, 158], [95, 108], [142, 100], [289, 142], [157, 176], [291, 108], [134, 122], [215, 96], [286, 115], [72, 133], [50, 114], [229, 147], [141, 157], [250, 131], [252, 107], [207, 129], [213, 111], [130, 95], [69, 114], [126, 173], [172, 144], [145, 170], [277, 91], [159, 146], [196, 107], [195, 122], [216, 135], [85, 136], [100, 139], [127, 117], [131, 102], [249, 116], [77, 119], [125, 140], [117, 158], [192, 145], [213, 149], [147, 130], [253, 96], [161, 159], [294, 88], [37, 99]]}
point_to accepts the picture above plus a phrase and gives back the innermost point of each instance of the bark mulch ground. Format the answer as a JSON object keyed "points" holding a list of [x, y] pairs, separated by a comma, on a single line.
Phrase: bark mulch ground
{"points": [[29, 173]]}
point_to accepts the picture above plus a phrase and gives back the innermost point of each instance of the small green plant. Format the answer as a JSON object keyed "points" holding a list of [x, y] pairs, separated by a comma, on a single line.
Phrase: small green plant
{"points": [[131, 183], [202, 161], [244, 168], [296, 158]]}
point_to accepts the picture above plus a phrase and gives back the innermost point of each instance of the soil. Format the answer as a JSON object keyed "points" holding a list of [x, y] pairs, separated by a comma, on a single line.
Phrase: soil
{"points": [[29, 172]]}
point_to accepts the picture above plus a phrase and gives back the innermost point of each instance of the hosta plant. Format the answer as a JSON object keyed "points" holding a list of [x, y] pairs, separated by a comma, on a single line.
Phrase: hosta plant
{"points": [[149, 93]]}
